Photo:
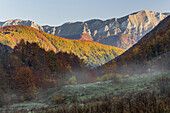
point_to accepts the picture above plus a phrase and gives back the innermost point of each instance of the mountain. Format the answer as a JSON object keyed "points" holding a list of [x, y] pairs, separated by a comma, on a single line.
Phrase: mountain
{"points": [[21, 22], [94, 53], [151, 53], [119, 32]]}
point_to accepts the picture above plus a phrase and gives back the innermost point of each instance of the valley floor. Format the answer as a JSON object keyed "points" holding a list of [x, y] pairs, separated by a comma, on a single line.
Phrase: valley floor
{"points": [[92, 93]]}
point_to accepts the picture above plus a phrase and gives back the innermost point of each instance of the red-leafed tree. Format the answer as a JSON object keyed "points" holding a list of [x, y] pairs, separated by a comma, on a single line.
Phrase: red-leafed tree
{"points": [[25, 82]]}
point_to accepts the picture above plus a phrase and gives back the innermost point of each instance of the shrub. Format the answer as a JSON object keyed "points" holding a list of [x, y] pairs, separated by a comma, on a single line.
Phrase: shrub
{"points": [[115, 77], [126, 76], [58, 99], [105, 77], [14, 98], [27, 96], [72, 80]]}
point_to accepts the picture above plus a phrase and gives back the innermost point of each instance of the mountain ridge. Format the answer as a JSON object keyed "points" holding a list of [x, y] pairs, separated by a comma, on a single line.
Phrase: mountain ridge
{"points": [[120, 32]]}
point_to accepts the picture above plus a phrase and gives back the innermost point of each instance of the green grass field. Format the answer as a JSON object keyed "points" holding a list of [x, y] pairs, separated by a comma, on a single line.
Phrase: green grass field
{"points": [[133, 84]]}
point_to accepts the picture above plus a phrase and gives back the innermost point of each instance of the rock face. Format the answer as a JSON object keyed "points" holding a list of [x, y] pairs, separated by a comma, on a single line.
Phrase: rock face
{"points": [[21, 22], [120, 32]]}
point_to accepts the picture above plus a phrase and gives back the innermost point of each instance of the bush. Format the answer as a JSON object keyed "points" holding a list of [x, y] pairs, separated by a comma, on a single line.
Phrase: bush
{"points": [[26, 97], [58, 99], [72, 80], [115, 77], [134, 74], [14, 98], [105, 77], [126, 76]]}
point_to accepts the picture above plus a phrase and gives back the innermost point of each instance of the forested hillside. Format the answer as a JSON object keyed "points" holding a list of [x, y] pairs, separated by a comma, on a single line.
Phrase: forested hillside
{"points": [[94, 53], [28, 69]]}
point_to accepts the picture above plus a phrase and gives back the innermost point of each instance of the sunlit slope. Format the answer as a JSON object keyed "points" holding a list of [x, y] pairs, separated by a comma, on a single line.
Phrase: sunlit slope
{"points": [[94, 53]]}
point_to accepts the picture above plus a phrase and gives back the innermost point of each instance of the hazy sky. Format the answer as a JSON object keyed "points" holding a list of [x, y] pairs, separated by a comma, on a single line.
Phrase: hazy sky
{"points": [[57, 12]]}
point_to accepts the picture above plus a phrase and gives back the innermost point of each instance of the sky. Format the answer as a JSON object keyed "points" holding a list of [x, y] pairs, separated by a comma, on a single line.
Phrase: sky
{"points": [[57, 12]]}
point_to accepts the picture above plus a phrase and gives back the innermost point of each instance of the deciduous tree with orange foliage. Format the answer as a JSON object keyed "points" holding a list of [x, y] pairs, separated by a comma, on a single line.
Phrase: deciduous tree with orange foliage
{"points": [[25, 82]]}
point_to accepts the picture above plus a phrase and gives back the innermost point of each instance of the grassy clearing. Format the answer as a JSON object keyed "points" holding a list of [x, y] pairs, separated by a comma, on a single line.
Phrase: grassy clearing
{"points": [[133, 84]]}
